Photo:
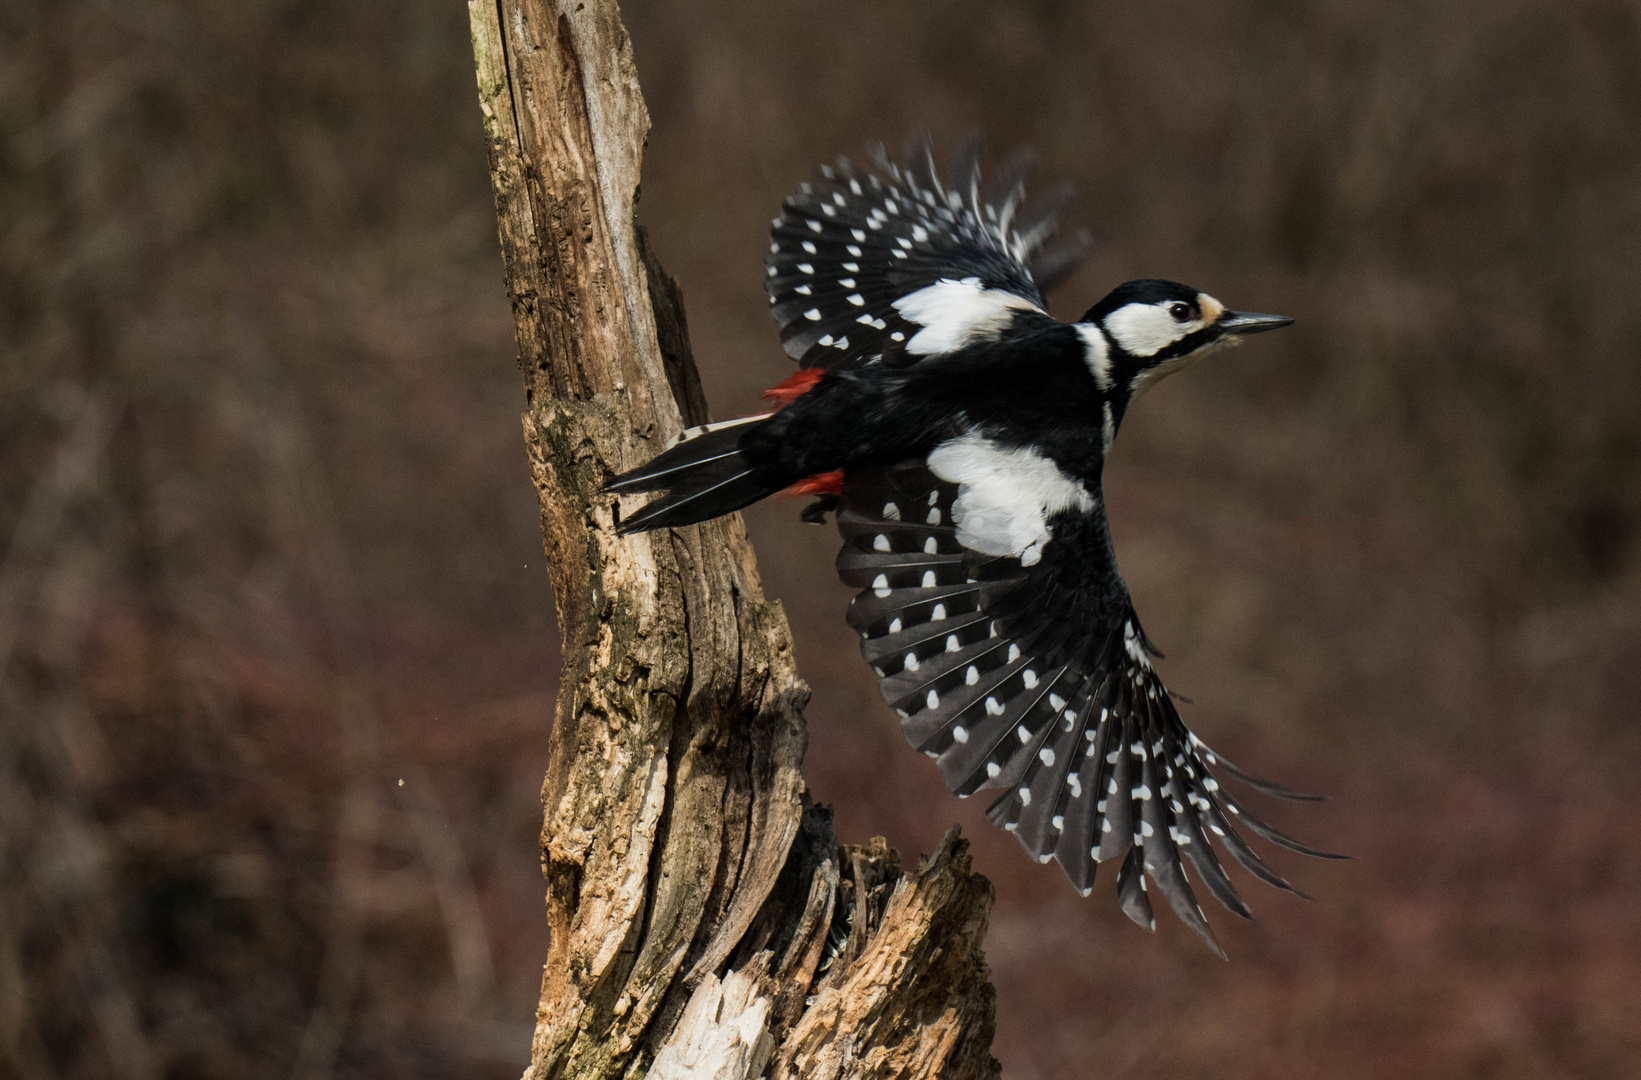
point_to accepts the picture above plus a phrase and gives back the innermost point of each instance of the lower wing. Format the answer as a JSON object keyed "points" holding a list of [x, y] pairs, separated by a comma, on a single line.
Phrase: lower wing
{"points": [[1028, 672]]}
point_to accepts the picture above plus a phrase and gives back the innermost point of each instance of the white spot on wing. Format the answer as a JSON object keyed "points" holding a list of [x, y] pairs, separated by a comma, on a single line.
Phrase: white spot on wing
{"points": [[1134, 647]]}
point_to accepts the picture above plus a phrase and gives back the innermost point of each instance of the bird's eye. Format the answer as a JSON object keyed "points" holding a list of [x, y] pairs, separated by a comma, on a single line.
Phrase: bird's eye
{"points": [[1180, 310]]}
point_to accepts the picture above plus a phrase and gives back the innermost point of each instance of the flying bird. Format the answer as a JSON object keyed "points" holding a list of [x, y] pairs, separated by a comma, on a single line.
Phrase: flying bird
{"points": [[959, 433]]}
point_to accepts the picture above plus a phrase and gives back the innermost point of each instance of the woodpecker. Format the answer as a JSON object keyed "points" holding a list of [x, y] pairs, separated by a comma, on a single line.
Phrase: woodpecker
{"points": [[959, 432]]}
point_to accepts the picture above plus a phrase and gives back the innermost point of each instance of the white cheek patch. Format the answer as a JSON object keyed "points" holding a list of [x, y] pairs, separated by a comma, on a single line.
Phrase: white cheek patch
{"points": [[954, 313], [1145, 329], [1005, 495]]}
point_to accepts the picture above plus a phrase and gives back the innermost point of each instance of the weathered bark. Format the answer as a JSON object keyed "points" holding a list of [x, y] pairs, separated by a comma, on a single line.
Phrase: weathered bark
{"points": [[694, 898]]}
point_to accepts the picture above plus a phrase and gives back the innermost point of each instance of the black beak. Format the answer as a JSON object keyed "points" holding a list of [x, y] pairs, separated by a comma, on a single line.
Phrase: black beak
{"points": [[1249, 322]]}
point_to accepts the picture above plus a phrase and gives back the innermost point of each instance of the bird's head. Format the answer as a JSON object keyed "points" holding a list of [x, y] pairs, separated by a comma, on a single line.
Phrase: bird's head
{"points": [[1154, 328]]}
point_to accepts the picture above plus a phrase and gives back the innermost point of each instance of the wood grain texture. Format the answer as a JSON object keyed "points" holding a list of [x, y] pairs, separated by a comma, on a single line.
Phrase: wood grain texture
{"points": [[694, 898]]}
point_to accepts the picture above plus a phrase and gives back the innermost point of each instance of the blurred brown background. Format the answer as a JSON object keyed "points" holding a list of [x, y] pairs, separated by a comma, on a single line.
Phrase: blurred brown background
{"points": [[268, 546]]}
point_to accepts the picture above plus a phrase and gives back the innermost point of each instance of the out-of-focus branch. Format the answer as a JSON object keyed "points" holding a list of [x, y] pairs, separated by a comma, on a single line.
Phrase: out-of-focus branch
{"points": [[703, 919], [68, 472], [56, 571]]}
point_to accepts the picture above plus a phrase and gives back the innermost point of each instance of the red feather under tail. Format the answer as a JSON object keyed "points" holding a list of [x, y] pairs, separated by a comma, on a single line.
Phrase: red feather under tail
{"points": [[826, 483], [791, 389], [794, 387]]}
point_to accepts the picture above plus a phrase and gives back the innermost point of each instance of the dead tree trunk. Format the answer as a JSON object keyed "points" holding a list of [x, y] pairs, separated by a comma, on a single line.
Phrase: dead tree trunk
{"points": [[694, 898]]}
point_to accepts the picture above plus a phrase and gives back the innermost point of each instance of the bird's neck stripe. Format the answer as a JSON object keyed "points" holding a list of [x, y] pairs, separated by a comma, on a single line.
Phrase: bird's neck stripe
{"points": [[1096, 353]]}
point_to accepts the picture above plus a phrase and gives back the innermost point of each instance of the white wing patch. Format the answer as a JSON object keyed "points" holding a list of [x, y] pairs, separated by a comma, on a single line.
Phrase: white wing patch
{"points": [[1005, 495], [954, 313]]}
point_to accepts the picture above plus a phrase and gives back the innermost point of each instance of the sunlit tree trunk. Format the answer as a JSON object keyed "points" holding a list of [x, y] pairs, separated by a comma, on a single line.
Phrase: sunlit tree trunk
{"points": [[704, 921]]}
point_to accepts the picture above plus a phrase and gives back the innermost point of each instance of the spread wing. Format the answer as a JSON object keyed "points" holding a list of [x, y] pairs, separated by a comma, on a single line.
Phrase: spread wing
{"points": [[866, 267], [1031, 675]]}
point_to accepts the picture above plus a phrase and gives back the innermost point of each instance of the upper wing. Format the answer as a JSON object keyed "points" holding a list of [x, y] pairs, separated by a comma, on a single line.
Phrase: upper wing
{"points": [[1032, 675], [865, 267]]}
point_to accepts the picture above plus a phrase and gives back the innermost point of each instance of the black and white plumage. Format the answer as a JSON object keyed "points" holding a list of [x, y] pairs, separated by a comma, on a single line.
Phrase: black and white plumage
{"points": [[866, 268], [960, 433]]}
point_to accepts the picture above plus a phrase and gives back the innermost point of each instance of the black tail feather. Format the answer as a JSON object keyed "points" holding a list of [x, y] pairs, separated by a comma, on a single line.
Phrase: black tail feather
{"points": [[697, 447], [704, 476]]}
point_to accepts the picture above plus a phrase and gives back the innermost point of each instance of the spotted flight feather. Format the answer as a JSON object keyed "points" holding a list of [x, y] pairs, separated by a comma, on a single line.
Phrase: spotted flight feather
{"points": [[1037, 681], [852, 246]]}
